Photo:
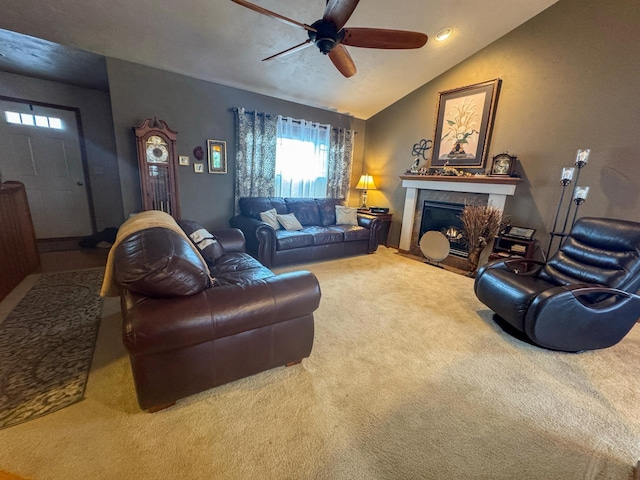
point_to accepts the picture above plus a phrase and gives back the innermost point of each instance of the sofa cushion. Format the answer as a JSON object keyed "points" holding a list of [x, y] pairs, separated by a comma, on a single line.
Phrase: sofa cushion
{"points": [[269, 217], [346, 215], [238, 268], [286, 240], [252, 206], [352, 232], [324, 235], [327, 208], [305, 209], [289, 222], [158, 262], [205, 242]]}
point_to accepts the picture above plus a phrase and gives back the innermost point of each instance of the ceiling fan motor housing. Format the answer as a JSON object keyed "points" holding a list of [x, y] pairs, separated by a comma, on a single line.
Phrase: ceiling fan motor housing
{"points": [[326, 36]]}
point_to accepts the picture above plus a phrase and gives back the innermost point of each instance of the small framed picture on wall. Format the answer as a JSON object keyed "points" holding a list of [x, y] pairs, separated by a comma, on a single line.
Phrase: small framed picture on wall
{"points": [[198, 167], [217, 151]]}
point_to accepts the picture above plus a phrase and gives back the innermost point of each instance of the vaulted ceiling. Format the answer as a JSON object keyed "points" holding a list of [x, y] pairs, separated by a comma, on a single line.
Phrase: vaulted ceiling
{"points": [[223, 42]]}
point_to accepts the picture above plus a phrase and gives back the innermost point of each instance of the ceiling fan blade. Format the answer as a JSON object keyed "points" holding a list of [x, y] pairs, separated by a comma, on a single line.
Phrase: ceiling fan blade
{"points": [[342, 60], [288, 51], [382, 38], [271, 14], [339, 11]]}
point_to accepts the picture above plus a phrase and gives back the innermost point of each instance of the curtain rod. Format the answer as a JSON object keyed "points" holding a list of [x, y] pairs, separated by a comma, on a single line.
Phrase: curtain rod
{"points": [[235, 109], [268, 115]]}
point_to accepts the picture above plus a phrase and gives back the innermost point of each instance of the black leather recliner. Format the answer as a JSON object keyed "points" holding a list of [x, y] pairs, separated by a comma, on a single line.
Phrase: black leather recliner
{"points": [[583, 298]]}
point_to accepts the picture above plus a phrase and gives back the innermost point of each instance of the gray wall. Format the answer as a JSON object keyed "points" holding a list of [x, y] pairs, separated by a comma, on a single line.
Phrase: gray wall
{"points": [[95, 112], [197, 110], [569, 80]]}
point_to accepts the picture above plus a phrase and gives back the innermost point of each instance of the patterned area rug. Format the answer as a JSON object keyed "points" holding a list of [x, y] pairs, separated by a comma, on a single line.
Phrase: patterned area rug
{"points": [[46, 345]]}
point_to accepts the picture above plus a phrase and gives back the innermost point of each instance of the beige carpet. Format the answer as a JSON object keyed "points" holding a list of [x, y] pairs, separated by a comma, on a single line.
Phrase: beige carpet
{"points": [[409, 378]]}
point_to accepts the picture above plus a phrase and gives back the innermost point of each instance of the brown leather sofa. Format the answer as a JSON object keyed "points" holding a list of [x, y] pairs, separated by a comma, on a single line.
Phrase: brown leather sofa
{"points": [[320, 238], [189, 326]]}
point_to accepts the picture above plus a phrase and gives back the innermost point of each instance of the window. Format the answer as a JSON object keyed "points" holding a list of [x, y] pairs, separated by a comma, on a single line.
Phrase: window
{"points": [[33, 120], [302, 152]]}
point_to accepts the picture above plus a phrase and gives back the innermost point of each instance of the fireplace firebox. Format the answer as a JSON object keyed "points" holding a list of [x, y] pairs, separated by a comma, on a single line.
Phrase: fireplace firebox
{"points": [[444, 217]]}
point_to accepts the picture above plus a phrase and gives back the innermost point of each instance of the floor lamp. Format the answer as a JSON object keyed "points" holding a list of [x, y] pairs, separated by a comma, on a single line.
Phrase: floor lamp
{"points": [[365, 183], [579, 196]]}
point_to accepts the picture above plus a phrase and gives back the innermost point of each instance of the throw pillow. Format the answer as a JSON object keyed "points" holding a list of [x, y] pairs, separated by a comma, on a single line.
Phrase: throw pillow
{"points": [[346, 215], [206, 242], [289, 222], [269, 217]]}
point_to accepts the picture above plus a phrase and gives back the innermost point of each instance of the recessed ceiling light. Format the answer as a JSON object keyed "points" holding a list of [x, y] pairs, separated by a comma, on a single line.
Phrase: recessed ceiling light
{"points": [[443, 34]]}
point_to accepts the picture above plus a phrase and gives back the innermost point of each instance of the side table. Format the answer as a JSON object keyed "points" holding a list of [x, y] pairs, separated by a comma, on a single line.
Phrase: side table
{"points": [[385, 221]]}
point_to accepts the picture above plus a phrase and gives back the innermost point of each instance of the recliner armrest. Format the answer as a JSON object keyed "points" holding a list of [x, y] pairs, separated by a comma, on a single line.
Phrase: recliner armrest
{"points": [[560, 319], [519, 266]]}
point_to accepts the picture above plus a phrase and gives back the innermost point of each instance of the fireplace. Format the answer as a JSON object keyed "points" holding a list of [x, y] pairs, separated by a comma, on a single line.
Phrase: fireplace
{"points": [[443, 217]]}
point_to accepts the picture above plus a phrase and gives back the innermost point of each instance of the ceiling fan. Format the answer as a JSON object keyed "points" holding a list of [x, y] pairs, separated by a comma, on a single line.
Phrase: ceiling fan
{"points": [[330, 37]]}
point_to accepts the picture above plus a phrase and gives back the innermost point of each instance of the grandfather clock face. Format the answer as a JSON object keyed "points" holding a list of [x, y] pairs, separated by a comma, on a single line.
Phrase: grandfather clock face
{"points": [[157, 150]]}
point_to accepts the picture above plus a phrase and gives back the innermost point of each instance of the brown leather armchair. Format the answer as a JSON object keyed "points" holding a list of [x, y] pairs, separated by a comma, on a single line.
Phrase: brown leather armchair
{"points": [[583, 298], [189, 326]]}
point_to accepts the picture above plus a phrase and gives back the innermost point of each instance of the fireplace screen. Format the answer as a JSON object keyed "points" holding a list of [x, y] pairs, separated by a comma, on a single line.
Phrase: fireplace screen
{"points": [[444, 217]]}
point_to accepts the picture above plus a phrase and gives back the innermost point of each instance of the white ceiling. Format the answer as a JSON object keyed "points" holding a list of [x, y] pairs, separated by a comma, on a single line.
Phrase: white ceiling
{"points": [[222, 42]]}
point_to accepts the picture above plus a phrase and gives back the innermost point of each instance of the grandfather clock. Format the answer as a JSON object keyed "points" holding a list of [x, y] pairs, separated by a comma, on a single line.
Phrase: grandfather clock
{"points": [[157, 159]]}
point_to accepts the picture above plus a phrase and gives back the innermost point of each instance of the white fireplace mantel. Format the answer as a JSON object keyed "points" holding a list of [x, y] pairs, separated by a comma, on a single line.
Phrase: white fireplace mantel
{"points": [[498, 189]]}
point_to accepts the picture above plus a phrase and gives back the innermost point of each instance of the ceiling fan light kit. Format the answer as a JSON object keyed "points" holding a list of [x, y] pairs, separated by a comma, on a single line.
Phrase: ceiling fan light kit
{"points": [[330, 37], [443, 34], [325, 37]]}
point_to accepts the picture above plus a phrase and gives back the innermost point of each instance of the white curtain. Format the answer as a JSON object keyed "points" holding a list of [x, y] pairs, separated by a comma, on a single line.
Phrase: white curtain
{"points": [[302, 153]]}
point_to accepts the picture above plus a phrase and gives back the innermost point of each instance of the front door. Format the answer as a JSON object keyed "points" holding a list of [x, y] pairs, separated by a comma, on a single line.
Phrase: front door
{"points": [[40, 147]]}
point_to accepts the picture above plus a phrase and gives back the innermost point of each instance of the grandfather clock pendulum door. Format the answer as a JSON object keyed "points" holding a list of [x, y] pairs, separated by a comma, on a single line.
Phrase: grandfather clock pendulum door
{"points": [[158, 169]]}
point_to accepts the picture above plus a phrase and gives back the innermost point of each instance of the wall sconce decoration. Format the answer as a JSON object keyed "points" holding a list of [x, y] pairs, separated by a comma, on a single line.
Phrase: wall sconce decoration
{"points": [[579, 196], [198, 152], [365, 183]]}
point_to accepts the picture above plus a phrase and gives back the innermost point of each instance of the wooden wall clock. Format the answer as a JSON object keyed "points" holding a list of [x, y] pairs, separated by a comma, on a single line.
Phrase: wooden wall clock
{"points": [[157, 162]]}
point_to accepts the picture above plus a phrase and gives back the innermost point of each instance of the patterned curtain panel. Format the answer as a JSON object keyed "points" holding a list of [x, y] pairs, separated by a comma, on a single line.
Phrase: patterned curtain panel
{"points": [[340, 160], [255, 154]]}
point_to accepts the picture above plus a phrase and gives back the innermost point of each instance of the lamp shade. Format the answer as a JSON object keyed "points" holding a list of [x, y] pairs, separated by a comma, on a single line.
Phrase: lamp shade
{"points": [[366, 183]]}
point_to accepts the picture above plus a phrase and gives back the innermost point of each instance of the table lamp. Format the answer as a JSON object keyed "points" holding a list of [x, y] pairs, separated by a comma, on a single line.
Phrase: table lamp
{"points": [[365, 183]]}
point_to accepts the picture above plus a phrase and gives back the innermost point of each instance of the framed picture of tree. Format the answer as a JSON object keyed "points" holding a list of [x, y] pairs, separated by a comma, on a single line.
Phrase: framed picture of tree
{"points": [[464, 120]]}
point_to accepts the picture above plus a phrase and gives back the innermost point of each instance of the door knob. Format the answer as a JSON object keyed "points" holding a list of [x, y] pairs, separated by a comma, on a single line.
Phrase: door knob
{"points": [[79, 184]]}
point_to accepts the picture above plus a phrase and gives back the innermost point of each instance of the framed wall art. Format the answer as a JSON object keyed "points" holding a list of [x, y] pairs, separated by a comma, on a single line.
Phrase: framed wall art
{"points": [[217, 150], [198, 167], [464, 120], [183, 159]]}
